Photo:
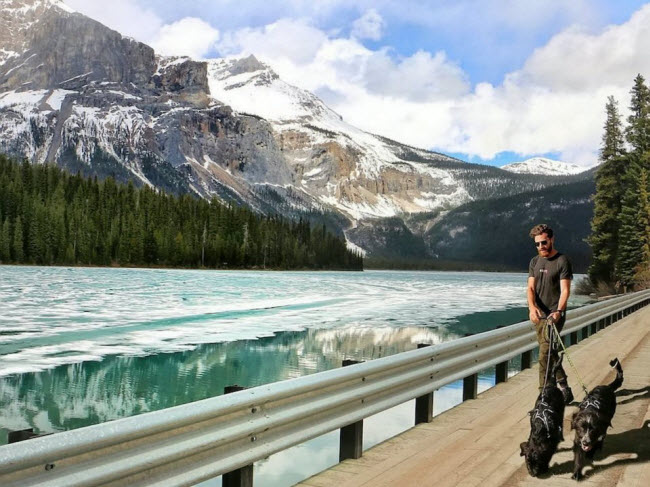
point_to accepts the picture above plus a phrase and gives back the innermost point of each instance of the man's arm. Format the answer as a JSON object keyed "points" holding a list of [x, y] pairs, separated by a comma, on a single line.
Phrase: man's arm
{"points": [[565, 292], [534, 313]]}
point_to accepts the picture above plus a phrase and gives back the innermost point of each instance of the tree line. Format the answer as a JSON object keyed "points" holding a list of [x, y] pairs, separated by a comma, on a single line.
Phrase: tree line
{"points": [[620, 228], [51, 217]]}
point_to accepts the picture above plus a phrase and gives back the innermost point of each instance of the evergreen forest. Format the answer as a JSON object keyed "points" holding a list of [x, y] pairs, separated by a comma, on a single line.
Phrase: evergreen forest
{"points": [[620, 228], [51, 217]]}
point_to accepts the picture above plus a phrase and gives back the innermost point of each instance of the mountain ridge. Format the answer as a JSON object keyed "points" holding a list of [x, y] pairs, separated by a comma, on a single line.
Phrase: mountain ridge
{"points": [[544, 166], [225, 128]]}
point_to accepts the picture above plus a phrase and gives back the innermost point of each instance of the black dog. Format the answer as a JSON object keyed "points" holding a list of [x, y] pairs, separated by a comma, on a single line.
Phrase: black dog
{"points": [[545, 427], [592, 420]]}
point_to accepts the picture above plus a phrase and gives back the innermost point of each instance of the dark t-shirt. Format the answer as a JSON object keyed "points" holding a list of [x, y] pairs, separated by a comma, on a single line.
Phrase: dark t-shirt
{"points": [[547, 274]]}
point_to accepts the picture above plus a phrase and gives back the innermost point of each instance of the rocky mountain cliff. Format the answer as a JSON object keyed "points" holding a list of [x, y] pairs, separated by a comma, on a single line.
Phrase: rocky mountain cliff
{"points": [[76, 93]]}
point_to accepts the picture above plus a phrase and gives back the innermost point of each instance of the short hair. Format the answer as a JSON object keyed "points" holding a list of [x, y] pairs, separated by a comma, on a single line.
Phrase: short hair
{"points": [[540, 229]]}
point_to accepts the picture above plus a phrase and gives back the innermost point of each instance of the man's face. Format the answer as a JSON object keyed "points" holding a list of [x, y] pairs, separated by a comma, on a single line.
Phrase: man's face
{"points": [[544, 244]]}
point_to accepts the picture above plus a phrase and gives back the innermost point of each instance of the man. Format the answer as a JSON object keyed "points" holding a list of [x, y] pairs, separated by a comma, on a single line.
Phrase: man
{"points": [[549, 286]]}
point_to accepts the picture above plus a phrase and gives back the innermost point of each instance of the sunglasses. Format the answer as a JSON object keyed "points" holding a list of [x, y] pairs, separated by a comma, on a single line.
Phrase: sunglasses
{"points": [[543, 242]]}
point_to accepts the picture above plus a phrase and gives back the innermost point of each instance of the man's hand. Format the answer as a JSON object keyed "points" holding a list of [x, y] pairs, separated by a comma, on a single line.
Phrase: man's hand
{"points": [[535, 314]]}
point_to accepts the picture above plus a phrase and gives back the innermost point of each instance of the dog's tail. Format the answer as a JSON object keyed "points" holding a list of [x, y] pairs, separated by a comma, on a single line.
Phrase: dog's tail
{"points": [[616, 383]]}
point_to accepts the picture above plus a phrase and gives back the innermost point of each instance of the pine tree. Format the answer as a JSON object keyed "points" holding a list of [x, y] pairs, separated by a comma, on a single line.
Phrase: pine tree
{"points": [[633, 231], [17, 243], [5, 242], [642, 275], [48, 216], [638, 130], [607, 200], [630, 246]]}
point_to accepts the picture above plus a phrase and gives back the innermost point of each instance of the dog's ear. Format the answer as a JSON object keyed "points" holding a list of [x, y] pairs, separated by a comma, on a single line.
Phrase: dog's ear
{"points": [[524, 449], [574, 421]]}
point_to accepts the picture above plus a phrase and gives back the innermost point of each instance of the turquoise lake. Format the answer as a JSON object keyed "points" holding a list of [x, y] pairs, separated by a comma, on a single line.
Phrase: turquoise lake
{"points": [[80, 346]]}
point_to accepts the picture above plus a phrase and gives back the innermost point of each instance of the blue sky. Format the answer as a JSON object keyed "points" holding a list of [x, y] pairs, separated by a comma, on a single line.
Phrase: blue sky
{"points": [[490, 81]]}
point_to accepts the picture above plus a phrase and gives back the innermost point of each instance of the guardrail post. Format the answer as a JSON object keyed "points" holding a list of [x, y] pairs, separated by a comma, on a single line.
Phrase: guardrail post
{"points": [[501, 369], [242, 477], [573, 338], [470, 387], [351, 439], [526, 359], [594, 328], [470, 384], [424, 404], [21, 435], [585, 332]]}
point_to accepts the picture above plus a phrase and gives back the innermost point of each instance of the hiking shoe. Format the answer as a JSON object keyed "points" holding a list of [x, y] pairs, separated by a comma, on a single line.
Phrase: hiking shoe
{"points": [[567, 393]]}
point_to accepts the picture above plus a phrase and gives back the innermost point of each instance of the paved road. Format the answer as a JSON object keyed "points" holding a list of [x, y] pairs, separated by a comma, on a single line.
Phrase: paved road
{"points": [[477, 442]]}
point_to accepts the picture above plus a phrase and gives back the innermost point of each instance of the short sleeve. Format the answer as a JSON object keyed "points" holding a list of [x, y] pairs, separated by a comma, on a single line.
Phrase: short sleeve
{"points": [[566, 272], [531, 267]]}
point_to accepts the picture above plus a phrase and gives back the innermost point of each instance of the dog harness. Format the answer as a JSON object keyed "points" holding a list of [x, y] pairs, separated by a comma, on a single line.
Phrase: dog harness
{"points": [[590, 402], [541, 413]]}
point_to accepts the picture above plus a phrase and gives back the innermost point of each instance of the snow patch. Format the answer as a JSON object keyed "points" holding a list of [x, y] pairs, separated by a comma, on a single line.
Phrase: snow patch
{"points": [[313, 172], [126, 96], [56, 98], [354, 247], [455, 231], [22, 98], [76, 77]]}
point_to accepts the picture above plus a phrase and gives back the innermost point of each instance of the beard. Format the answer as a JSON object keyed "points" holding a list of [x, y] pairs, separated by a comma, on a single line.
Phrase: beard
{"points": [[548, 249]]}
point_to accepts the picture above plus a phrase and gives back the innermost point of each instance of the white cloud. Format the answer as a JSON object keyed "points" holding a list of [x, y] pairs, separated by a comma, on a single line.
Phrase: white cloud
{"points": [[188, 37], [419, 77], [368, 26], [309, 58], [553, 103], [575, 60], [124, 16], [294, 40]]}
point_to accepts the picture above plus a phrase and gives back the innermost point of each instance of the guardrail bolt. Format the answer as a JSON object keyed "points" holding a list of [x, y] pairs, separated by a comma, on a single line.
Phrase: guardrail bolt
{"points": [[49, 466]]}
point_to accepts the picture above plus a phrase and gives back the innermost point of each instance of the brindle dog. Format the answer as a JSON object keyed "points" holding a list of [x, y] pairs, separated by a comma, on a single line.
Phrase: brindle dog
{"points": [[594, 416], [545, 426]]}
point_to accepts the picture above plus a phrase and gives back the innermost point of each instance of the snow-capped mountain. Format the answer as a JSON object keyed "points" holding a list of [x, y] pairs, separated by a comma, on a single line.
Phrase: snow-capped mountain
{"points": [[359, 174], [544, 166], [76, 93]]}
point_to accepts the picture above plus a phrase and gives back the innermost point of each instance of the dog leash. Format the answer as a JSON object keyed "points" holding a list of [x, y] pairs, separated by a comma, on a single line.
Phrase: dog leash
{"points": [[566, 353]]}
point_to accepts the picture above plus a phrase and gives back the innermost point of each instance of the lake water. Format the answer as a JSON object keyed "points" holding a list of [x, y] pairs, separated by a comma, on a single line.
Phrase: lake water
{"points": [[82, 346]]}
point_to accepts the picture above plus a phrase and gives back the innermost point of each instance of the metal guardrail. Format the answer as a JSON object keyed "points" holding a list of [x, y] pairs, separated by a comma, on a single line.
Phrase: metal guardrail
{"points": [[187, 444]]}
